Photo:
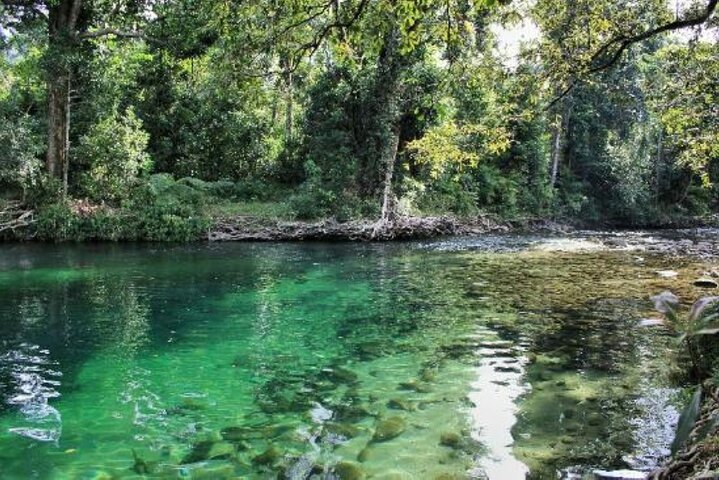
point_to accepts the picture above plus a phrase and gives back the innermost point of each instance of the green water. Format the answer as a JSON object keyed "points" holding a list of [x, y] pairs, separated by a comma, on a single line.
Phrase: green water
{"points": [[430, 360]]}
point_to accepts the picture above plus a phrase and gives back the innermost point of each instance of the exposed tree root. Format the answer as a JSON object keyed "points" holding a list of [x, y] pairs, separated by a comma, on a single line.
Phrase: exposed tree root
{"points": [[247, 228]]}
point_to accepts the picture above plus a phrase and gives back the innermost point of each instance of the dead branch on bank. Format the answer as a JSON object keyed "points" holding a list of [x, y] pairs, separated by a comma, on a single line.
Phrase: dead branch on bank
{"points": [[14, 217]]}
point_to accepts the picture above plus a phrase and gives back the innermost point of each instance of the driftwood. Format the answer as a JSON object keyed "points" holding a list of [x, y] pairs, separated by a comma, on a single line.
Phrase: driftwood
{"points": [[402, 228], [13, 217]]}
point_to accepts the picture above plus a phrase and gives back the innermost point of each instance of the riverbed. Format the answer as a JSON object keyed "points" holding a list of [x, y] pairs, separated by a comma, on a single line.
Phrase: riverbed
{"points": [[503, 357]]}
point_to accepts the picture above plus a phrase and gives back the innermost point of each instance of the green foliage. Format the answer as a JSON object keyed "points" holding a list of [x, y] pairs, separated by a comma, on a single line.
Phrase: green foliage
{"points": [[312, 200], [300, 104], [687, 420], [21, 141], [20, 147], [697, 333], [159, 209], [114, 151]]}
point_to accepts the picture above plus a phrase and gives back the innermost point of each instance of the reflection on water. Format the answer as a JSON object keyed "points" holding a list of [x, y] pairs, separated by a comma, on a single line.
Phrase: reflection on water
{"points": [[499, 383], [500, 358], [31, 381]]}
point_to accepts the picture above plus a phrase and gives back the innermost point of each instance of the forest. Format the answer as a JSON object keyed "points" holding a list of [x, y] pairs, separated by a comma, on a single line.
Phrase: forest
{"points": [[148, 119]]}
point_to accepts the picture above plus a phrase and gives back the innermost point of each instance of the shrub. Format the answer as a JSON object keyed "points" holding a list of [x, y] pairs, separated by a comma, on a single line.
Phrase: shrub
{"points": [[312, 200], [114, 151]]}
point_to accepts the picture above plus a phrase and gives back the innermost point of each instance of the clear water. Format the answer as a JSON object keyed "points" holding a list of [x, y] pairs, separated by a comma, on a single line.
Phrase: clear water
{"points": [[503, 358]]}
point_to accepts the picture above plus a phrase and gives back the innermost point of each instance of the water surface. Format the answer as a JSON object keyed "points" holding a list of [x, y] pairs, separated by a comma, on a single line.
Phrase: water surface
{"points": [[501, 357]]}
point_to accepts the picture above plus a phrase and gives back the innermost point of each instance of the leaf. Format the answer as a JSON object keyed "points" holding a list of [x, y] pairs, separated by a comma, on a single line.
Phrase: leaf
{"points": [[699, 306], [687, 420], [650, 322], [665, 302], [709, 330]]}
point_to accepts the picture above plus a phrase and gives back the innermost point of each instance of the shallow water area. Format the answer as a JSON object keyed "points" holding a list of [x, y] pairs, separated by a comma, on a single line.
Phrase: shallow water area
{"points": [[499, 357]]}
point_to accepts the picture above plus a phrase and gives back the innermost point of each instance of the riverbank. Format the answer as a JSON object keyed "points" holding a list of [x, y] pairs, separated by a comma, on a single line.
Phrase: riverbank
{"points": [[248, 228]]}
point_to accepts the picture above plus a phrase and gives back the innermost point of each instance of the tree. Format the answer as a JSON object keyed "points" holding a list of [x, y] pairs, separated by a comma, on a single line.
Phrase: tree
{"points": [[68, 24]]}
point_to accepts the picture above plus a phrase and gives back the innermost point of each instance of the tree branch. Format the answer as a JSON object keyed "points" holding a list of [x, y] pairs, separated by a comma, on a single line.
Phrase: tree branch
{"points": [[624, 42], [117, 33], [315, 43]]}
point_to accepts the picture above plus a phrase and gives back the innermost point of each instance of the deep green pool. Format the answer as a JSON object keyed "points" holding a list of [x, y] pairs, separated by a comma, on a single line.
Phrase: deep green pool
{"points": [[432, 360]]}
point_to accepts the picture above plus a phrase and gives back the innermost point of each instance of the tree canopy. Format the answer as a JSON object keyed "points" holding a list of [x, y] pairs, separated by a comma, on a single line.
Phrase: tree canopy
{"points": [[362, 108]]}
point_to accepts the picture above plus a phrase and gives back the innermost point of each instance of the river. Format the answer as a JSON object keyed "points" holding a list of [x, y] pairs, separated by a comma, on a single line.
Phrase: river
{"points": [[500, 358]]}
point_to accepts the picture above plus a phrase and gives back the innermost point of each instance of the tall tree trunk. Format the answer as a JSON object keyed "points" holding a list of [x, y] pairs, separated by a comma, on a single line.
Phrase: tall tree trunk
{"points": [[289, 114], [58, 119], [388, 162], [287, 67], [63, 17], [559, 137], [387, 116], [556, 150], [658, 166]]}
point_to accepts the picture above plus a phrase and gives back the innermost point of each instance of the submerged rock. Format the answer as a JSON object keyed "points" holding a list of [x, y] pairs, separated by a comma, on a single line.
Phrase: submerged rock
{"points": [[428, 374], [351, 413], [450, 439], [389, 428], [200, 452], [346, 430], [142, 466], [393, 475], [339, 375], [415, 386], [346, 470], [221, 450], [222, 471], [364, 454], [401, 404], [268, 457], [301, 467], [370, 350], [234, 434]]}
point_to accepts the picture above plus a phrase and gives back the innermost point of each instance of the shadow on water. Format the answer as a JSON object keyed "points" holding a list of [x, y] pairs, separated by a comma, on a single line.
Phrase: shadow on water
{"points": [[416, 360]]}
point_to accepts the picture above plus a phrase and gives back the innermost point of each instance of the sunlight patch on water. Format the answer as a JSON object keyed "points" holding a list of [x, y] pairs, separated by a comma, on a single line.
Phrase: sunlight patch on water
{"points": [[494, 393]]}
